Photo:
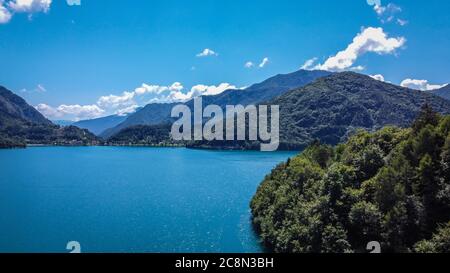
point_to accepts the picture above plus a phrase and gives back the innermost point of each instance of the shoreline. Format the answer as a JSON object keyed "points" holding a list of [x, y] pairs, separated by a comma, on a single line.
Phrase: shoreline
{"points": [[205, 148]]}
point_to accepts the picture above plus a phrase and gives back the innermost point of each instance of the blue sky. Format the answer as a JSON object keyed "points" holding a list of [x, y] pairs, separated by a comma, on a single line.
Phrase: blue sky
{"points": [[92, 58]]}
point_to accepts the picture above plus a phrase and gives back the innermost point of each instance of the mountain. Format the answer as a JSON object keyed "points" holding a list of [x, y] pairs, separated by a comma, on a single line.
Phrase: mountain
{"points": [[148, 135], [151, 114], [13, 107], [21, 124], [332, 108], [266, 90], [154, 114], [63, 122], [444, 92], [98, 125]]}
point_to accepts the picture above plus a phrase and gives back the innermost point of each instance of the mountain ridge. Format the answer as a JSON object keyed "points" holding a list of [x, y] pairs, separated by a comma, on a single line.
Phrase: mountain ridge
{"points": [[13, 106], [332, 108], [443, 92], [21, 124], [99, 125], [270, 88]]}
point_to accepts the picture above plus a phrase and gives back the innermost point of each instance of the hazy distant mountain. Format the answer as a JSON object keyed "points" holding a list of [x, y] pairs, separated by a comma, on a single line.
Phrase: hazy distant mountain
{"points": [[98, 125], [63, 122], [21, 124], [266, 90], [333, 107], [444, 92], [154, 114]]}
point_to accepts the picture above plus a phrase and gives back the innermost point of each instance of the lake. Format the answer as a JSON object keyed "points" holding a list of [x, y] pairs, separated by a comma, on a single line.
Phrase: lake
{"points": [[128, 200]]}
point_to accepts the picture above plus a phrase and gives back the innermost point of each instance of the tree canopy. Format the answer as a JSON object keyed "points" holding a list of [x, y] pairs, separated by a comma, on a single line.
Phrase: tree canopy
{"points": [[391, 186]]}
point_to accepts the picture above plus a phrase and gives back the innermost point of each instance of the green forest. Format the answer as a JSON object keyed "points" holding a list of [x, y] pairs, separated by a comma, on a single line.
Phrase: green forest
{"points": [[390, 186]]}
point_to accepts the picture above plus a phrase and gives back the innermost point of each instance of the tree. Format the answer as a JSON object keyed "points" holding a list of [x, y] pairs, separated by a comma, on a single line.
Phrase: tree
{"points": [[390, 186], [426, 117], [440, 243]]}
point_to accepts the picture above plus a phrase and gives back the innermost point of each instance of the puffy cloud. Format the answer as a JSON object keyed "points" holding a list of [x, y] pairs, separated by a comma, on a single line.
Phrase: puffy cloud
{"points": [[176, 87], [204, 90], [196, 91], [127, 110], [249, 64], [72, 112], [423, 85], [74, 2], [5, 15], [369, 40], [309, 64], [378, 77], [8, 8], [152, 89], [128, 102], [264, 62], [113, 101], [30, 6], [157, 89], [207, 52], [47, 110]]}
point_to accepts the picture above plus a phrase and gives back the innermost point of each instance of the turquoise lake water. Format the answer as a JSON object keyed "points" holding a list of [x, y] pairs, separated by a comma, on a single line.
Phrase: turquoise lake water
{"points": [[119, 199]]}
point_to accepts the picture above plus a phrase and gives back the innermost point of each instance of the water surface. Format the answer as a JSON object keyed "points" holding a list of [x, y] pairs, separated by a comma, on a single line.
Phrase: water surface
{"points": [[119, 199]]}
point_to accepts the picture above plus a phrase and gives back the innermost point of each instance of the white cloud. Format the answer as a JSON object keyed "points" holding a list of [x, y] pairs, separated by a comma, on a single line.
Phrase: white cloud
{"points": [[41, 88], [38, 89], [388, 10], [152, 89], [423, 85], [196, 91], [128, 102], [249, 64], [388, 13], [207, 52], [30, 6], [176, 87], [70, 112], [379, 9], [8, 8], [127, 110], [113, 101], [309, 64], [5, 15], [264, 62], [357, 68], [74, 2], [369, 40], [47, 110], [378, 77], [204, 90], [402, 22], [374, 2]]}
